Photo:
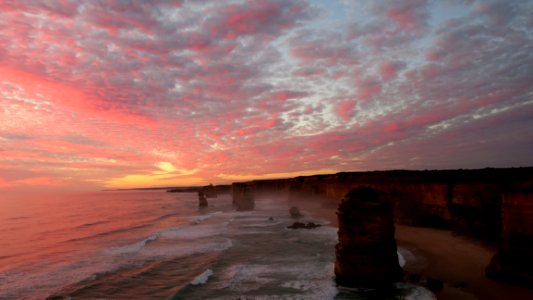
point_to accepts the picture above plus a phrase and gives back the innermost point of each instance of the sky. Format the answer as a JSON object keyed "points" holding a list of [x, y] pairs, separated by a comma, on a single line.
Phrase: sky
{"points": [[121, 94]]}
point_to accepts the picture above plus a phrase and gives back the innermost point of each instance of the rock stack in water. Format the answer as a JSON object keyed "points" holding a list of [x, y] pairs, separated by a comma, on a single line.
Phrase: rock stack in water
{"points": [[202, 200], [513, 262], [366, 255]]}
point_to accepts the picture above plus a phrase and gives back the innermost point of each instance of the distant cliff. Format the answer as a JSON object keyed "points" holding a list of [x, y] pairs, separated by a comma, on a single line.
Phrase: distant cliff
{"points": [[494, 205], [469, 201], [514, 260]]}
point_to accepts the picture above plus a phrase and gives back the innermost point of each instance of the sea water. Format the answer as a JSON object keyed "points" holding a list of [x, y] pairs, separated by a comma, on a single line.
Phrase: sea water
{"points": [[157, 245]]}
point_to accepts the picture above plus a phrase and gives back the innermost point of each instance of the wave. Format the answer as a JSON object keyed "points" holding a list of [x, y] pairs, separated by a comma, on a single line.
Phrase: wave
{"points": [[401, 260], [196, 231], [87, 225], [202, 278], [417, 292], [200, 219], [134, 248], [164, 217], [17, 218], [269, 224], [405, 256], [5, 257], [107, 233]]}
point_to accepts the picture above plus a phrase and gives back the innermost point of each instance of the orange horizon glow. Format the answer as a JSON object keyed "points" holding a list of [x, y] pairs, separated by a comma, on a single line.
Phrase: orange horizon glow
{"points": [[122, 95]]}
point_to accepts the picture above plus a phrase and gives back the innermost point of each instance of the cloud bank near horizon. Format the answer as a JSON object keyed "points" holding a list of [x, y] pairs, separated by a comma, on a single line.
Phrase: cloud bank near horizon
{"points": [[156, 93]]}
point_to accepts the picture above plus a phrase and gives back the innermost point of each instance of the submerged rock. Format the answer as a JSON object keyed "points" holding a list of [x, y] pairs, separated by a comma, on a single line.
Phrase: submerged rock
{"points": [[434, 285], [366, 255], [300, 225]]}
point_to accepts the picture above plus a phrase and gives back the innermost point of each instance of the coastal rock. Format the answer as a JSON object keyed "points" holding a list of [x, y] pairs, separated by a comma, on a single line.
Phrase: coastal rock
{"points": [[513, 262], [434, 285], [300, 225], [465, 201], [202, 201], [366, 255], [295, 212]]}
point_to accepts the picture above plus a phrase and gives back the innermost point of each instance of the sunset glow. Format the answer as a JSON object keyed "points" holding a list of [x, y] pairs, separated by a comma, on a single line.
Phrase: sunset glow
{"points": [[123, 94]]}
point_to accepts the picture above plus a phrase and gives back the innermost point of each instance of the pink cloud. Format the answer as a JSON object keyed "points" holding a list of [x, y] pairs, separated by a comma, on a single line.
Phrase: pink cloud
{"points": [[266, 18], [367, 88], [389, 70], [345, 110], [243, 88]]}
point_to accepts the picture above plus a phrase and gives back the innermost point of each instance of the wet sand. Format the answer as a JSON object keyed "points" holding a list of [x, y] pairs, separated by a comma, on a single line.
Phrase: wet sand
{"points": [[457, 261]]}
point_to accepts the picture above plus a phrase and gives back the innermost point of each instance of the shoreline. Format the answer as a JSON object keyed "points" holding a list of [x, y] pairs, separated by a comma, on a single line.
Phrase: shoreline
{"points": [[456, 260]]}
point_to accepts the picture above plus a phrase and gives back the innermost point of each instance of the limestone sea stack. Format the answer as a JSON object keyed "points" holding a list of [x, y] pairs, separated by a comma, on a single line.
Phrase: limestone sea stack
{"points": [[513, 262], [202, 201], [366, 253]]}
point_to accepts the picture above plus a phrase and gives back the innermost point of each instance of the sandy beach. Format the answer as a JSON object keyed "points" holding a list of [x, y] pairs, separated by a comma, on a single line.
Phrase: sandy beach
{"points": [[458, 261]]}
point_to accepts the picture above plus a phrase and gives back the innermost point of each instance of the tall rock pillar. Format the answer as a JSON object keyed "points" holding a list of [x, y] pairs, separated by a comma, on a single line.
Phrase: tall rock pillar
{"points": [[513, 262], [366, 255]]}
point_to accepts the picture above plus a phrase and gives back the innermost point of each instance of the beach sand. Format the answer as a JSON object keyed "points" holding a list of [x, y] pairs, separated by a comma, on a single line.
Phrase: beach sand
{"points": [[456, 260]]}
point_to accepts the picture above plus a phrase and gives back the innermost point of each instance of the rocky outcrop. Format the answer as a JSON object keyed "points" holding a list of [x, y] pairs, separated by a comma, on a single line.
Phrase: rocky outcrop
{"points": [[300, 225], [202, 201], [295, 212], [473, 202], [467, 201], [514, 260], [243, 196], [366, 252]]}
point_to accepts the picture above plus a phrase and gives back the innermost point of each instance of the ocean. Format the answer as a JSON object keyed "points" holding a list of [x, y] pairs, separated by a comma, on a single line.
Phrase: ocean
{"points": [[158, 245]]}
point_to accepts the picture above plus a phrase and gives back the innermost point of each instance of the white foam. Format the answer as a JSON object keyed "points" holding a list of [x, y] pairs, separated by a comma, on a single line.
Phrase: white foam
{"points": [[200, 219], [401, 260], [202, 278], [405, 256], [311, 279], [133, 248], [420, 293], [269, 224], [195, 231], [187, 248], [244, 278]]}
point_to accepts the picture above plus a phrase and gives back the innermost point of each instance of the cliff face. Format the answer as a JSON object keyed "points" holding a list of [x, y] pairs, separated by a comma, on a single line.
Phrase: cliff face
{"points": [[476, 202], [514, 260], [468, 201], [243, 196], [270, 188], [366, 253]]}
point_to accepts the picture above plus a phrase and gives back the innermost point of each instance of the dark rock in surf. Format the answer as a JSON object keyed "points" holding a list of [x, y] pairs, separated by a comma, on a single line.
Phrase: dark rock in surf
{"points": [[295, 212], [300, 225], [414, 277], [434, 285]]}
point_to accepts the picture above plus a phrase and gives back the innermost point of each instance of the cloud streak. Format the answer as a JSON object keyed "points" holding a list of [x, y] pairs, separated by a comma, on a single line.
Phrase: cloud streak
{"points": [[158, 93]]}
